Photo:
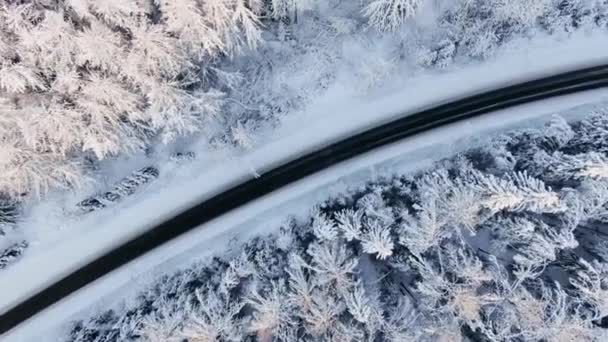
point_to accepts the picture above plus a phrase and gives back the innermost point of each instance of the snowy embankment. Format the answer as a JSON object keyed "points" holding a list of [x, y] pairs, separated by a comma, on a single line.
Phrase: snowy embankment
{"points": [[79, 249]]}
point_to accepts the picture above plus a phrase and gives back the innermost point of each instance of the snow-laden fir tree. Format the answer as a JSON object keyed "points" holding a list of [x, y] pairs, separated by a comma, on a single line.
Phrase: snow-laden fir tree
{"points": [[389, 15], [101, 77]]}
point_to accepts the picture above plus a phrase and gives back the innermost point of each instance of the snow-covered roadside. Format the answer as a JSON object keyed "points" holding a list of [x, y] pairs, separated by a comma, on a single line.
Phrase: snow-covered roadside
{"points": [[301, 133], [319, 63], [408, 155], [340, 112]]}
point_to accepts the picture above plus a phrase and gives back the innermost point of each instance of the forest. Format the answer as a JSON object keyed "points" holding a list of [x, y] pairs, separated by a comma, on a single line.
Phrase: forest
{"points": [[505, 242], [82, 81]]}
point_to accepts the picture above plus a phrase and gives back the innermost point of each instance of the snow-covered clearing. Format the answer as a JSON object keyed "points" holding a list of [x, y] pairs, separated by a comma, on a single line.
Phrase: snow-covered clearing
{"points": [[257, 217]]}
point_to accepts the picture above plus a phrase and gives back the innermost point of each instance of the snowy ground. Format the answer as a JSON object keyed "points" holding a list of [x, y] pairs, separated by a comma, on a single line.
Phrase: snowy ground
{"points": [[339, 113], [311, 82], [309, 69], [325, 78], [266, 214]]}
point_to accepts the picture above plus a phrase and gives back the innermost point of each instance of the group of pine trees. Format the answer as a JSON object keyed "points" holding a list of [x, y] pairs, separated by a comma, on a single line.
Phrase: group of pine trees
{"points": [[84, 79], [505, 242], [97, 78]]}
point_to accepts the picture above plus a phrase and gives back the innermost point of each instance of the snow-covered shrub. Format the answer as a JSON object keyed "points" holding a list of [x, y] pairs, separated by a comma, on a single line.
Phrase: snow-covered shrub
{"points": [[12, 253], [8, 214], [125, 187], [102, 77], [473, 249]]}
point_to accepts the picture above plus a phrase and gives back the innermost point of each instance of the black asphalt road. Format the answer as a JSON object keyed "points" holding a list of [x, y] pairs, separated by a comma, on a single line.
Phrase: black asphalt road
{"points": [[406, 126]]}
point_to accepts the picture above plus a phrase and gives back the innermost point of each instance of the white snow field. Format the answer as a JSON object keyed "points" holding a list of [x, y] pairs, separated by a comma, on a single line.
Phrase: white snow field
{"points": [[162, 202]]}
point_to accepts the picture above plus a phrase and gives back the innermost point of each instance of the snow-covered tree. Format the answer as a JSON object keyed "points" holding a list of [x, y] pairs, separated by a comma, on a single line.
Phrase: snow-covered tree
{"points": [[480, 26], [518, 192], [103, 77], [27, 171], [535, 243], [389, 15], [8, 214], [443, 209], [300, 285], [359, 306], [12, 253], [560, 167], [378, 241], [323, 227], [271, 314], [282, 8], [321, 318], [591, 285], [125, 187], [332, 264], [215, 317], [375, 208], [474, 248], [349, 222], [163, 324]]}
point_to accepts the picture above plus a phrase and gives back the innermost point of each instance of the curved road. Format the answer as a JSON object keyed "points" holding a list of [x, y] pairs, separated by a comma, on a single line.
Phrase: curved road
{"points": [[406, 126]]}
